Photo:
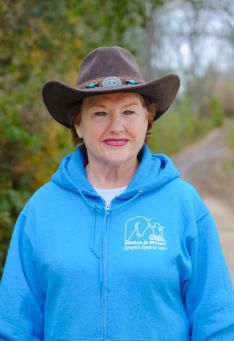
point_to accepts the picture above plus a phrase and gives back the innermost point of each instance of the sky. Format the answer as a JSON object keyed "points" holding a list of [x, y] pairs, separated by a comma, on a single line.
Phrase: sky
{"points": [[178, 24]]}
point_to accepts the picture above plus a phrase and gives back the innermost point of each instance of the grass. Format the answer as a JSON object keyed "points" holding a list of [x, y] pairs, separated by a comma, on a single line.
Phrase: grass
{"points": [[228, 165], [229, 123]]}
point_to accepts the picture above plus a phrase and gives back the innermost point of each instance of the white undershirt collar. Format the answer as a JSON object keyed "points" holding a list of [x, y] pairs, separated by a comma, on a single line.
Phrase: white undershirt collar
{"points": [[109, 194]]}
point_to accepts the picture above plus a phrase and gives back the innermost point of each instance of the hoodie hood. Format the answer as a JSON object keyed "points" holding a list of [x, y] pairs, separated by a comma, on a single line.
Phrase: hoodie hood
{"points": [[154, 171]]}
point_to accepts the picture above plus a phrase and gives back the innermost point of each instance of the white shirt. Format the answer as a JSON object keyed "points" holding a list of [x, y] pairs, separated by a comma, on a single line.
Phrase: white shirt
{"points": [[109, 194]]}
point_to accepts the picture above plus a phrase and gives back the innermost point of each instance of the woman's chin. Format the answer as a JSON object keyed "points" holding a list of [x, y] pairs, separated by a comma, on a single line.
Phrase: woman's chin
{"points": [[119, 157]]}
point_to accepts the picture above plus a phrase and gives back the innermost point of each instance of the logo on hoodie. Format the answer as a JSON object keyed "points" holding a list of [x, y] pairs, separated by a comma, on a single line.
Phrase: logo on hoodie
{"points": [[143, 234]]}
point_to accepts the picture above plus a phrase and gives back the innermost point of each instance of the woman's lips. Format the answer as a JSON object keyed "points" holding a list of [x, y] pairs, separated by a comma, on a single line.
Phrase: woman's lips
{"points": [[116, 142]]}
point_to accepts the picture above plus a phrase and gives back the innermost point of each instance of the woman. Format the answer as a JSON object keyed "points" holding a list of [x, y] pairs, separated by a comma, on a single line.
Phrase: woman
{"points": [[116, 246]]}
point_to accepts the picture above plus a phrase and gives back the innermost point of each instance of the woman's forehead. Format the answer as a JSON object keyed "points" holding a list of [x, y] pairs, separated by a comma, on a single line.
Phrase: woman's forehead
{"points": [[112, 98]]}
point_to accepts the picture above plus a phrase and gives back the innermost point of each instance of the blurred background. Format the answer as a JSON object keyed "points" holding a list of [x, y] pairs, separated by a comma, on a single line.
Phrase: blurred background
{"points": [[42, 40]]}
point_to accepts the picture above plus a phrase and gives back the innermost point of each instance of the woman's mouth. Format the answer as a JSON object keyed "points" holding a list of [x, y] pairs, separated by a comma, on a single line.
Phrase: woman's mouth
{"points": [[116, 142]]}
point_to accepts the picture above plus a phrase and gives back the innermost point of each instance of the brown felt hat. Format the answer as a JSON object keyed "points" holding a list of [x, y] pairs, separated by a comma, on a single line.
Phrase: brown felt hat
{"points": [[104, 70]]}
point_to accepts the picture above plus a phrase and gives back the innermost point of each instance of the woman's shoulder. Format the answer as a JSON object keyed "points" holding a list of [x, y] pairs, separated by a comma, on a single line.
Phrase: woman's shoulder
{"points": [[189, 195], [41, 197], [186, 187]]}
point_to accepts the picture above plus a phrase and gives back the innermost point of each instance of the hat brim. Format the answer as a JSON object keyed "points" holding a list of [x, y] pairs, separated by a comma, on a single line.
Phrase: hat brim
{"points": [[59, 97]]}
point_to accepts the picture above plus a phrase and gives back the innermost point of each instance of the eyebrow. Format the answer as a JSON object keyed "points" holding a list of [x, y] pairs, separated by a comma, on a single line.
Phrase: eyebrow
{"points": [[103, 106], [128, 105], [99, 105]]}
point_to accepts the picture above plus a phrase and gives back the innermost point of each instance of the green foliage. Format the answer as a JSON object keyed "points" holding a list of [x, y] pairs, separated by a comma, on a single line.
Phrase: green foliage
{"points": [[216, 111], [30, 52], [181, 126]]}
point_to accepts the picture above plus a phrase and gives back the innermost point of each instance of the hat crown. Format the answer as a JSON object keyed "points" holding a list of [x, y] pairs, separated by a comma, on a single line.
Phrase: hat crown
{"points": [[108, 61]]}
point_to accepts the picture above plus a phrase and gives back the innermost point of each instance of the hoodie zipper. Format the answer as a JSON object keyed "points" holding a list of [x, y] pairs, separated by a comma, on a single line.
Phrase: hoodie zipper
{"points": [[103, 266], [104, 271]]}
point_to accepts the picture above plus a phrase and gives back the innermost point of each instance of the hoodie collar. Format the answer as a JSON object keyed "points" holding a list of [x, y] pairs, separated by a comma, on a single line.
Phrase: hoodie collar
{"points": [[71, 173], [154, 170]]}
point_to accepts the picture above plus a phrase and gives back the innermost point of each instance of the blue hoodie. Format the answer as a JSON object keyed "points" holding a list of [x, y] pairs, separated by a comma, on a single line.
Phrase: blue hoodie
{"points": [[147, 267]]}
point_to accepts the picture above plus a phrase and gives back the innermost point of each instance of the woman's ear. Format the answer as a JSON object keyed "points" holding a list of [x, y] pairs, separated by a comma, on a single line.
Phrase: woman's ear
{"points": [[78, 130]]}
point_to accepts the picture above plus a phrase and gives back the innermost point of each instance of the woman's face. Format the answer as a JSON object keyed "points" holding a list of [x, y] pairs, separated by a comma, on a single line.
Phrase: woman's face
{"points": [[113, 127]]}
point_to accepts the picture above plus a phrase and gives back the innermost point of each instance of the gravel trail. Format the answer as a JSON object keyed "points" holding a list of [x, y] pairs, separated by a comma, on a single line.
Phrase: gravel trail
{"points": [[205, 165]]}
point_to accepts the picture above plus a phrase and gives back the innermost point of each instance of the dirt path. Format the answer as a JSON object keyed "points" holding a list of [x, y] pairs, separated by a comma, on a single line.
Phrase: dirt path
{"points": [[205, 165]]}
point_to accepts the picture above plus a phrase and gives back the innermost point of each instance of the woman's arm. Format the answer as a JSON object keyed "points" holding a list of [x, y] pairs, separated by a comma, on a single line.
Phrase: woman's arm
{"points": [[21, 299], [209, 292]]}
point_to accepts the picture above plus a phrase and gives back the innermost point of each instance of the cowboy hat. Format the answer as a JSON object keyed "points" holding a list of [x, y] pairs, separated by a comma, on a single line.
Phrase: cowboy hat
{"points": [[104, 70]]}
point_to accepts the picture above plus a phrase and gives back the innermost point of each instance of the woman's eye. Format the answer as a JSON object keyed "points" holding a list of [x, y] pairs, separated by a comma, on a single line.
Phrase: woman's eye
{"points": [[100, 113], [128, 112]]}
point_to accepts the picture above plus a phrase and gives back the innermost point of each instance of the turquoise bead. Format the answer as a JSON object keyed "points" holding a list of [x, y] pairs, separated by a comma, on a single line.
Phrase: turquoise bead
{"points": [[91, 85], [132, 81]]}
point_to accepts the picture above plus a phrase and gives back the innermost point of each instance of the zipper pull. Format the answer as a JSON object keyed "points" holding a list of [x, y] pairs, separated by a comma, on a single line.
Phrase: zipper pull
{"points": [[107, 205]]}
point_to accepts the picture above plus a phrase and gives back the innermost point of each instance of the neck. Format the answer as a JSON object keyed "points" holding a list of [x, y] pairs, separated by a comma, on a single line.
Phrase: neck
{"points": [[104, 176]]}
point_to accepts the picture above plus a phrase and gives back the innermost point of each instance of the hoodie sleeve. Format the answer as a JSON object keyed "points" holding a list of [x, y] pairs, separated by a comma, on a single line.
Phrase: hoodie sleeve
{"points": [[21, 300], [209, 295]]}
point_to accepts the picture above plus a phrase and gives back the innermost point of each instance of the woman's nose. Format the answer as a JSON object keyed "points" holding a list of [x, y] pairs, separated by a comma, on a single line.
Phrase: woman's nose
{"points": [[116, 123]]}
